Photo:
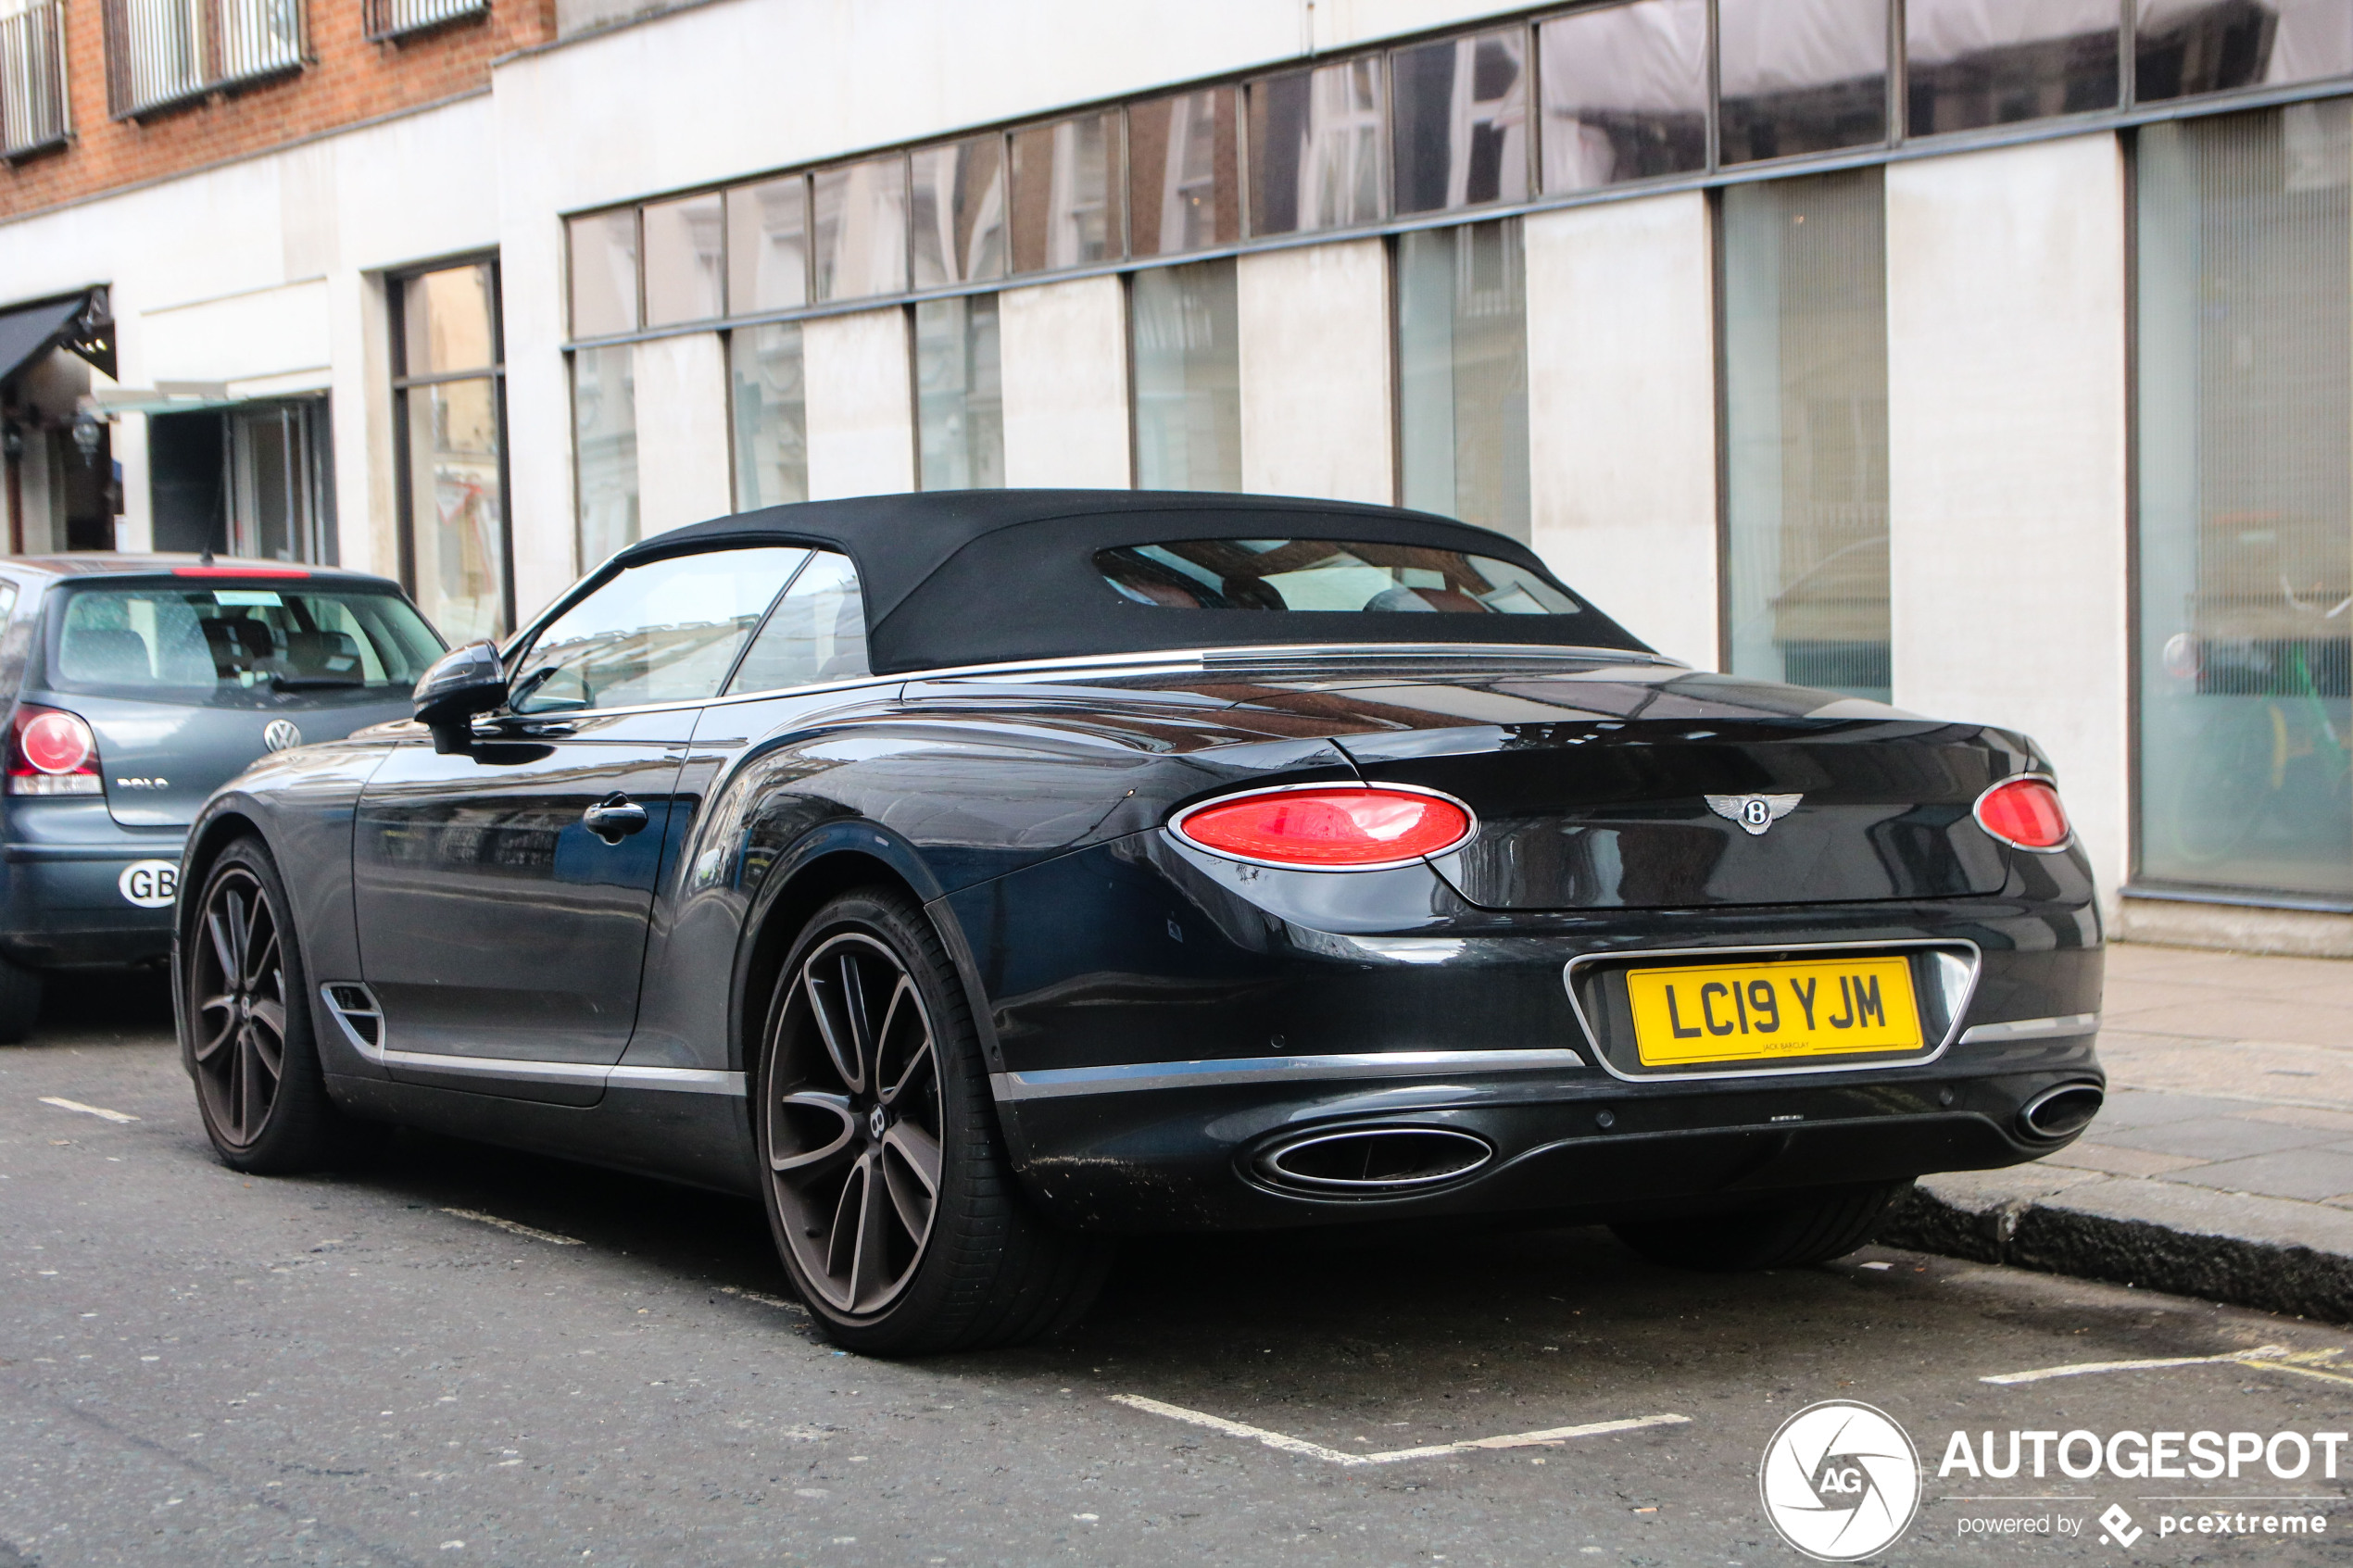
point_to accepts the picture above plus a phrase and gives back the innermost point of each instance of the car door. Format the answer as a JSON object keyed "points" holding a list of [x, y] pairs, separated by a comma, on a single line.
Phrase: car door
{"points": [[502, 892]]}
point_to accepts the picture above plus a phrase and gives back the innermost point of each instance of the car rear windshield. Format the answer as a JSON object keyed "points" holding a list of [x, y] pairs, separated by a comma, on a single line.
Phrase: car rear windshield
{"points": [[183, 643], [1326, 574]]}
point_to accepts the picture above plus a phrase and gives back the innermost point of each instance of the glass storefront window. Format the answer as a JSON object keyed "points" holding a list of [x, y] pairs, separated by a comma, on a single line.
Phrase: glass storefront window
{"points": [[1462, 374], [2184, 47], [957, 215], [767, 397], [1801, 76], [1625, 94], [1969, 64], [1067, 205], [861, 228], [1805, 364], [1184, 173], [768, 246], [960, 408], [604, 273], [604, 431], [684, 241], [2245, 338], [1460, 133], [1186, 350], [449, 388], [1316, 149]]}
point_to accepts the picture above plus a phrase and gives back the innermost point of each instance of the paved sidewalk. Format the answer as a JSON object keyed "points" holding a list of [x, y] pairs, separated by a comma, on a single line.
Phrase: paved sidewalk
{"points": [[2222, 1163]]}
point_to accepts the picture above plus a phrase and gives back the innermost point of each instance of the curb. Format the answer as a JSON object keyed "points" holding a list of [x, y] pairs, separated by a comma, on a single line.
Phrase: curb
{"points": [[2273, 1254]]}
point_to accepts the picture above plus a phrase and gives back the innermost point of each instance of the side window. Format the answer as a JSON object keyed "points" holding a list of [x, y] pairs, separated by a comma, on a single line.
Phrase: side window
{"points": [[664, 632], [816, 632]]}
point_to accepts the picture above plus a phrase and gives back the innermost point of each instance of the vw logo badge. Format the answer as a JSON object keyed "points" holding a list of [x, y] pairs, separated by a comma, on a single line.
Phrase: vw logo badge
{"points": [[1840, 1481], [282, 735]]}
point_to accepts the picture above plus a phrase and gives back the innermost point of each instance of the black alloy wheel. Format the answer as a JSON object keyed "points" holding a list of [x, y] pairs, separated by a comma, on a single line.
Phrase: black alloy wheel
{"points": [[853, 1134], [892, 1203], [247, 1022]]}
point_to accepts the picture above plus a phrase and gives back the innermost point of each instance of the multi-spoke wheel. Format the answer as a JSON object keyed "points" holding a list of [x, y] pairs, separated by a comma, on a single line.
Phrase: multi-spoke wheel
{"points": [[247, 1022], [888, 1189], [853, 1128]]}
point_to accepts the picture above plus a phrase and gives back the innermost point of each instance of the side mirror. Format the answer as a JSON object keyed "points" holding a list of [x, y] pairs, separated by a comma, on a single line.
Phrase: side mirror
{"points": [[458, 685]]}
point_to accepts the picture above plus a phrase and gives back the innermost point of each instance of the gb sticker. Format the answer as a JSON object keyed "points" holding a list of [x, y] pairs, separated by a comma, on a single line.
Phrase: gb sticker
{"points": [[151, 884]]}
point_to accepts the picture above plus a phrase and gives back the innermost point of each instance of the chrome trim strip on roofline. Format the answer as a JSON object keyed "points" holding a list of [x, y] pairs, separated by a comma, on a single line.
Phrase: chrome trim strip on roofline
{"points": [[1956, 1001], [1058, 1082], [611, 1075], [2030, 1029]]}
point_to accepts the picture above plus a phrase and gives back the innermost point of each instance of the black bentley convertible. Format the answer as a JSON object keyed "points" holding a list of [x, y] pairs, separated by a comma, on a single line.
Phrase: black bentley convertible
{"points": [[975, 877]]}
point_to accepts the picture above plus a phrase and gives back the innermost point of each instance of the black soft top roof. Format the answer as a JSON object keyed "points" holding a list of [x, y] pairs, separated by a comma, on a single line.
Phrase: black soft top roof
{"points": [[985, 576]]}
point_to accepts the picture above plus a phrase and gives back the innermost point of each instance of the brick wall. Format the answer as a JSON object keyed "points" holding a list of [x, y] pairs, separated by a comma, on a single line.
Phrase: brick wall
{"points": [[347, 80]]}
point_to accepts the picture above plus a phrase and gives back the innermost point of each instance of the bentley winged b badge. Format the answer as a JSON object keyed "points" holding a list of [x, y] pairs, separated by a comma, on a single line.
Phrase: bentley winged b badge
{"points": [[1753, 812]]}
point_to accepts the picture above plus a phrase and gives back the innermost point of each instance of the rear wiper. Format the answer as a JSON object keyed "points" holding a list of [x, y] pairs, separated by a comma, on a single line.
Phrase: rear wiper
{"points": [[281, 683]]}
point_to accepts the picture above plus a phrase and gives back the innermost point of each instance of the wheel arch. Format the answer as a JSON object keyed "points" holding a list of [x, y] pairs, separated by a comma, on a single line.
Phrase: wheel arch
{"points": [[827, 861], [214, 831]]}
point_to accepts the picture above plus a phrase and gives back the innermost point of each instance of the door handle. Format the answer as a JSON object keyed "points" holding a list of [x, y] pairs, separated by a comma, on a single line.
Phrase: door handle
{"points": [[614, 818]]}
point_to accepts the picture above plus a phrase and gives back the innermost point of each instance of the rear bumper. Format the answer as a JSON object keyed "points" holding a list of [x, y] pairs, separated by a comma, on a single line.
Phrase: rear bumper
{"points": [[63, 904], [1578, 1146], [1160, 1022]]}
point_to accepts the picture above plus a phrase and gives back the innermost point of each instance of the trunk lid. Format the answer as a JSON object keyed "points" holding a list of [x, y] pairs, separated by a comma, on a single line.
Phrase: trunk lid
{"points": [[1592, 787], [161, 760]]}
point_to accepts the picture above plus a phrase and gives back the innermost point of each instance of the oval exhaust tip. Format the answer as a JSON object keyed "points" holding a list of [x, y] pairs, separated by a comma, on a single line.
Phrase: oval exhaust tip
{"points": [[2062, 1112], [1371, 1161]]}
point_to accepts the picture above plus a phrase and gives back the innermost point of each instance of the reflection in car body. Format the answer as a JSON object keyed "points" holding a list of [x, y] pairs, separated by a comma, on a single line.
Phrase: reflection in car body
{"points": [[979, 877]]}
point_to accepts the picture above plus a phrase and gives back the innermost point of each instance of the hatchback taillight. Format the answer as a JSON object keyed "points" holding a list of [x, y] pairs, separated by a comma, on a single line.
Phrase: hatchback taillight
{"points": [[2025, 812], [1338, 827], [52, 752]]}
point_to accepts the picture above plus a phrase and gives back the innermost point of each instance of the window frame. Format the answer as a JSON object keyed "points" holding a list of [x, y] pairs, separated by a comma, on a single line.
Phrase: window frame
{"points": [[404, 499], [518, 646]]}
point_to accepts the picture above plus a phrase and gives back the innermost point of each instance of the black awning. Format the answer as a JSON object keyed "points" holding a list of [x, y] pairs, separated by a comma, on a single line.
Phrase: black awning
{"points": [[29, 330]]}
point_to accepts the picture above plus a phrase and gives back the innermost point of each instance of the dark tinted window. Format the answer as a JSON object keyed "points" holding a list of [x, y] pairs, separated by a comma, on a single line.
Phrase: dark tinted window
{"points": [[1328, 575], [187, 642]]}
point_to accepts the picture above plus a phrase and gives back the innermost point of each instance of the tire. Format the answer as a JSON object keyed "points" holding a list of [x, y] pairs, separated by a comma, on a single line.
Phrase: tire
{"points": [[888, 1192], [19, 1001], [245, 1003], [1797, 1236]]}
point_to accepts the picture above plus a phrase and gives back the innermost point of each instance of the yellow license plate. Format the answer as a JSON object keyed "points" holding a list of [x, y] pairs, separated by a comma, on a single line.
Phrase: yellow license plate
{"points": [[1713, 1013]]}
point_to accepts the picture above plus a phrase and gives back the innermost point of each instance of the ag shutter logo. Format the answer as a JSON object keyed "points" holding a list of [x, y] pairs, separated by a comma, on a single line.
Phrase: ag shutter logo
{"points": [[282, 735], [151, 884], [1840, 1481]]}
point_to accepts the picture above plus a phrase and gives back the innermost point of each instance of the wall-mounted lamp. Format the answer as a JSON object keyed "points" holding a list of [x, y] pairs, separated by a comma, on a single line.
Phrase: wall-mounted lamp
{"points": [[87, 433], [11, 441]]}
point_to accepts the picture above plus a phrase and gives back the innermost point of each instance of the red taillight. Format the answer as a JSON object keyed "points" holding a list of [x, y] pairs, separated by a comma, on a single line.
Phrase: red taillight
{"points": [[2025, 812], [247, 570], [1335, 828], [52, 752]]}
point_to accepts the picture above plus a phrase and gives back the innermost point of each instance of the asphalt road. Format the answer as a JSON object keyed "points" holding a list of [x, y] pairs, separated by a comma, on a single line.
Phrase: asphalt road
{"points": [[455, 1355]]}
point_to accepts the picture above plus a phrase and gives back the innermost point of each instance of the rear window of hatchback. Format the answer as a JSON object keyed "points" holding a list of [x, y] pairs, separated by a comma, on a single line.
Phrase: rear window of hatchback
{"points": [[180, 642]]}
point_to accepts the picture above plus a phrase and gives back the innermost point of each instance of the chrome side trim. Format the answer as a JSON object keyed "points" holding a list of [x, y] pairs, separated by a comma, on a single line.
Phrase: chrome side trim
{"points": [[1956, 975], [1055, 1083], [683, 1080], [2030, 1029]]}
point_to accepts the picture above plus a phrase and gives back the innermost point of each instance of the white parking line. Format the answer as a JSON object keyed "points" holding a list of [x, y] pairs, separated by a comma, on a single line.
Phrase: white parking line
{"points": [[1290, 1445], [763, 1299], [516, 1228], [2275, 1358], [98, 1111]]}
